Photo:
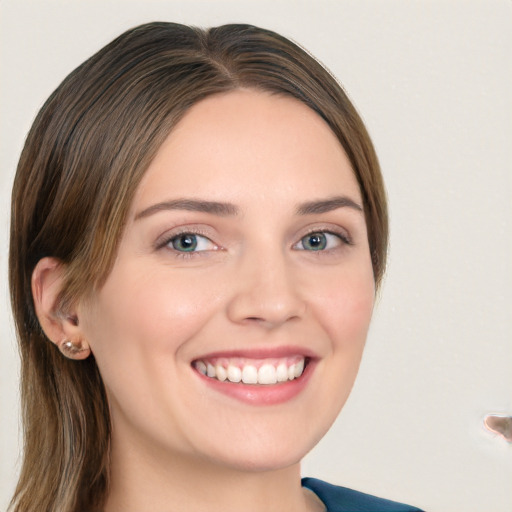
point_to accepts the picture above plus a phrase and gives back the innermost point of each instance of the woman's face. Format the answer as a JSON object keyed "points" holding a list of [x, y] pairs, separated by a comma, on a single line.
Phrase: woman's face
{"points": [[245, 256]]}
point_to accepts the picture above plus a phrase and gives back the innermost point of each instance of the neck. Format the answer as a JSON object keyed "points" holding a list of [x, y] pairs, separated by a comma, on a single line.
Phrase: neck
{"points": [[182, 483]]}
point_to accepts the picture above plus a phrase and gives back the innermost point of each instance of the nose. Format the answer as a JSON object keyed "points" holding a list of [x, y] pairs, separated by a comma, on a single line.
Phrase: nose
{"points": [[266, 292]]}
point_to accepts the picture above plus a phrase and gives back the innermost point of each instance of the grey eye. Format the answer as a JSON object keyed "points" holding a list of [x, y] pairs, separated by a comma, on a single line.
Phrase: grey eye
{"points": [[314, 242], [319, 241], [190, 242]]}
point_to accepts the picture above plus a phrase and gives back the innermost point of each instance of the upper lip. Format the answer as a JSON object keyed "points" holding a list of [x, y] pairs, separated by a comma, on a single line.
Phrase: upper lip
{"points": [[261, 353]]}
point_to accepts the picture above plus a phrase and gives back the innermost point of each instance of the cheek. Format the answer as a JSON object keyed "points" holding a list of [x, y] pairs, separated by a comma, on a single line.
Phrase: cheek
{"points": [[137, 324], [142, 308], [345, 306]]}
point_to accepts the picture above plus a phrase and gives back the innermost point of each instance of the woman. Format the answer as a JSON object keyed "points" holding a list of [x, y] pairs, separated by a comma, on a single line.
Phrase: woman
{"points": [[198, 230]]}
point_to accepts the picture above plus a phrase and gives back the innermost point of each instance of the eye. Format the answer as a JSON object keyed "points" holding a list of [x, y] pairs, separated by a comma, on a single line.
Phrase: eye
{"points": [[319, 241], [191, 242]]}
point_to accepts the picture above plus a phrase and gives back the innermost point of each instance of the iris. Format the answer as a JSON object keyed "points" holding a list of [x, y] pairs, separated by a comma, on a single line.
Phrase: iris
{"points": [[186, 242], [314, 242]]}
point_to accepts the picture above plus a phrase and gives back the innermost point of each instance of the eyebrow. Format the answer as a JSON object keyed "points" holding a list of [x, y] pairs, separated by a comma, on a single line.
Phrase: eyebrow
{"points": [[229, 209], [196, 205], [328, 205]]}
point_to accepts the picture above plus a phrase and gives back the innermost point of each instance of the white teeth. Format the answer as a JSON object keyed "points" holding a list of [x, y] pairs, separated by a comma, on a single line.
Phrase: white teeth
{"points": [[210, 370], [234, 374], [299, 368], [282, 372], [249, 375], [201, 367], [221, 373], [268, 373]]}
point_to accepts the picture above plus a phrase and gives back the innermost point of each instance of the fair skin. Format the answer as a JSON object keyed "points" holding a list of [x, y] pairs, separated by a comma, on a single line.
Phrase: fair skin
{"points": [[255, 254]]}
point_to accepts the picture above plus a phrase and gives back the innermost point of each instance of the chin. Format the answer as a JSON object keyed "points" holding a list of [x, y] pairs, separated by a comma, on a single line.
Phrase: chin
{"points": [[268, 448], [251, 461]]}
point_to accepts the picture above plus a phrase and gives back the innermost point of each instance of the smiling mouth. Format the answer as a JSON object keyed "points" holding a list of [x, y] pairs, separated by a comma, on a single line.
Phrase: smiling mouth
{"points": [[252, 372]]}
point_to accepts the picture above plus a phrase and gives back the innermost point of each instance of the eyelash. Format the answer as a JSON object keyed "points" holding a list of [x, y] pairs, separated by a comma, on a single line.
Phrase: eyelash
{"points": [[165, 243]]}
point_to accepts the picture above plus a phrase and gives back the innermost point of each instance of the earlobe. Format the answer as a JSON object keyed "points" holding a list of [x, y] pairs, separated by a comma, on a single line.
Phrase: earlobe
{"points": [[61, 327]]}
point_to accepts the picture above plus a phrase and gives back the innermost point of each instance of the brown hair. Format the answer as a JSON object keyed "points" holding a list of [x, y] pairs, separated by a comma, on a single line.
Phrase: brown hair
{"points": [[83, 159]]}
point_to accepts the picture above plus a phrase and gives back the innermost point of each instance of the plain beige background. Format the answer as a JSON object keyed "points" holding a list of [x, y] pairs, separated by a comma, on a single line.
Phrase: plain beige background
{"points": [[433, 81]]}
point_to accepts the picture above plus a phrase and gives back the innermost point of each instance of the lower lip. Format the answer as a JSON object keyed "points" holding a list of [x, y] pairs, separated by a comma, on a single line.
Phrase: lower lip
{"points": [[262, 394]]}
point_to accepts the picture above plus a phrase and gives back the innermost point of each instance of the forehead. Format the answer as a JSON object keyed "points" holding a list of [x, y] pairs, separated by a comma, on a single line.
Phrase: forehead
{"points": [[245, 144]]}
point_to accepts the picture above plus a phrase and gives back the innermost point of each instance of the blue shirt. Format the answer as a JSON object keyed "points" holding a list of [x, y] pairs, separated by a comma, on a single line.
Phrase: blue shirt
{"points": [[341, 499]]}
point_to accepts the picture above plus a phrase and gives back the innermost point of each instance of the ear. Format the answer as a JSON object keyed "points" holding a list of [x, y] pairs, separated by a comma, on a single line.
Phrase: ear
{"points": [[61, 327]]}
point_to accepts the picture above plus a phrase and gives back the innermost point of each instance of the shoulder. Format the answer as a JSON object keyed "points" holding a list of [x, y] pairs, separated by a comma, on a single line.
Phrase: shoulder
{"points": [[341, 499]]}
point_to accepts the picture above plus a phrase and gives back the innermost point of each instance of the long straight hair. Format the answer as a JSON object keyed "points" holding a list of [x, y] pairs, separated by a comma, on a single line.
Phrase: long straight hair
{"points": [[82, 161]]}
